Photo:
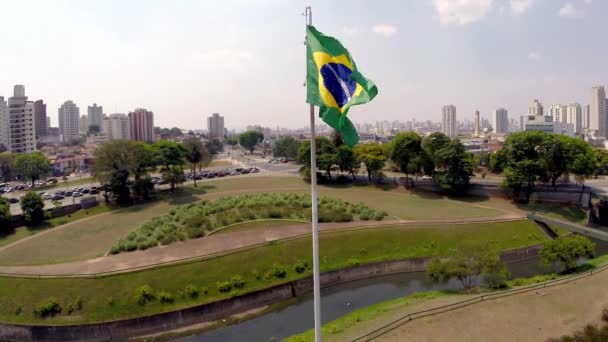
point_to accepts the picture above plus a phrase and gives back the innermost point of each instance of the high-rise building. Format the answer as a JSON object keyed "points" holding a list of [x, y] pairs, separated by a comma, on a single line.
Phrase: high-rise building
{"points": [[22, 129], [477, 125], [559, 113], [48, 123], [141, 125], [585, 117], [448, 123], [40, 118], [574, 116], [501, 121], [597, 111], [116, 126], [536, 108], [215, 126], [4, 123], [69, 121], [83, 124], [95, 115]]}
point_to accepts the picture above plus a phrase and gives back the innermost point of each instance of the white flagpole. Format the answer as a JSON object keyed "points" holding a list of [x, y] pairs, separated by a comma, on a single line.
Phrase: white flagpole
{"points": [[315, 217]]}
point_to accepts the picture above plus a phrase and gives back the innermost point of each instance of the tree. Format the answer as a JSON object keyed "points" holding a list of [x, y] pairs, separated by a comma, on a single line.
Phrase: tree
{"points": [[455, 167], [523, 161], [346, 160], [566, 251], [171, 157], [430, 145], [582, 160], [250, 139], [372, 156], [467, 265], [196, 154], [32, 206], [214, 146], [5, 216], [326, 154], [232, 141], [7, 171], [94, 130], [286, 147], [406, 151], [32, 165], [600, 158], [119, 184]]}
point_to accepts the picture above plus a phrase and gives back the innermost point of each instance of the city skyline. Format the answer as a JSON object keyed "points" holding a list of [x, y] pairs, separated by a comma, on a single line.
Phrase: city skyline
{"points": [[498, 57]]}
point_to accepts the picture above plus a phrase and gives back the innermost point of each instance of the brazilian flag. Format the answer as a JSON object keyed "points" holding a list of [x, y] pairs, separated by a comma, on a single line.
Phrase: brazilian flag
{"points": [[334, 84]]}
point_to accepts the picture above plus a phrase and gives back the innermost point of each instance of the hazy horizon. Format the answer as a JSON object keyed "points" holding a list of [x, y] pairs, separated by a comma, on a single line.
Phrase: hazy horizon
{"points": [[184, 60]]}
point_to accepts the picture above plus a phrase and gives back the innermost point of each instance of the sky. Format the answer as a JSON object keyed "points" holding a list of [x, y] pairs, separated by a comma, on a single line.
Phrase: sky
{"points": [[186, 59]]}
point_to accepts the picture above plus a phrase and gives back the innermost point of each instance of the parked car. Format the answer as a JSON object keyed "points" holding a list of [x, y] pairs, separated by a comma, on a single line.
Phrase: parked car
{"points": [[94, 192], [85, 191], [245, 171], [67, 193], [427, 177], [47, 196], [57, 197], [77, 194], [13, 200], [255, 170]]}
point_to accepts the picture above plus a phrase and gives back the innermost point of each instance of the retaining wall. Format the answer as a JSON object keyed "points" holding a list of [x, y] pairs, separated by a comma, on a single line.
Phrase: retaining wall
{"points": [[19, 220], [124, 329]]}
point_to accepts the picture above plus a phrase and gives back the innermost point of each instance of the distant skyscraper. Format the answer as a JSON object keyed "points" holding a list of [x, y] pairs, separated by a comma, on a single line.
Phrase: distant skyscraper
{"points": [[477, 125], [501, 121], [48, 123], [95, 115], [69, 121], [574, 116], [536, 108], [448, 126], [83, 124], [4, 123], [40, 118], [116, 126], [585, 119], [559, 113], [215, 126], [141, 124], [597, 111], [21, 132]]}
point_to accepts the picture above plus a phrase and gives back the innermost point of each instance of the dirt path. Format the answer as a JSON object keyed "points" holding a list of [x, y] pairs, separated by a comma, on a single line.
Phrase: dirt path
{"points": [[531, 316], [213, 244]]}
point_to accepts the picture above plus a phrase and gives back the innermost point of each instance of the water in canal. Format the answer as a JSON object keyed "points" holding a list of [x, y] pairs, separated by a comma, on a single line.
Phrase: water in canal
{"points": [[342, 299]]}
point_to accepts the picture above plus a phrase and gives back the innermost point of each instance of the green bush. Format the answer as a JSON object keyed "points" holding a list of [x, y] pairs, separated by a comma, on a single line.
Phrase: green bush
{"points": [[144, 294], [278, 271], [190, 291], [224, 286], [237, 282], [166, 297], [300, 267], [379, 215], [49, 307]]}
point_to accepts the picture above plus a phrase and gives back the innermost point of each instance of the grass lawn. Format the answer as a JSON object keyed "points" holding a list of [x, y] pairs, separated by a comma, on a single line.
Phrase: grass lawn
{"points": [[25, 231], [560, 211], [112, 297], [94, 237], [258, 224]]}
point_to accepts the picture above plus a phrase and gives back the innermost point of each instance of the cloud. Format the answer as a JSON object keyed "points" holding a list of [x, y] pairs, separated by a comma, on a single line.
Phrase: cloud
{"points": [[571, 11], [520, 6], [461, 12], [385, 30], [350, 30], [534, 56]]}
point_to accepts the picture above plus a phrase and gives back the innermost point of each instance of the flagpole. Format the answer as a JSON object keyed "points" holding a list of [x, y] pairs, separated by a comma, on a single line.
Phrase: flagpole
{"points": [[315, 217]]}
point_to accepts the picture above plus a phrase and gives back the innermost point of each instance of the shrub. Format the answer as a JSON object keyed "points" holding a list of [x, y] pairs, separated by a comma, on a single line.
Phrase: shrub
{"points": [[49, 307], [379, 215], [166, 297], [204, 290], [224, 286], [278, 271], [144, 294], [195, 232], [300, 267], [237, 282], [364, 216], [190, 291]]}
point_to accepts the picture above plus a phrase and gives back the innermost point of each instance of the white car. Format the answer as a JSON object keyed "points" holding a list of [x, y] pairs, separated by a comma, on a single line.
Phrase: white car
{"points": [[427, 177]]}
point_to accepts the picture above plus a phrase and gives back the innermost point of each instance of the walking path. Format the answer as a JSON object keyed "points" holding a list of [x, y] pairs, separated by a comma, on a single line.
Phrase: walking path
{"points": [[213, 245]]}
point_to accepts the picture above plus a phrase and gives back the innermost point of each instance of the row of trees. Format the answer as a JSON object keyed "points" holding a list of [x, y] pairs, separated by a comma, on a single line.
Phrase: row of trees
{"points": [[437, 155], [125, 165], [529, 157], [32, 207], [25, 166]]}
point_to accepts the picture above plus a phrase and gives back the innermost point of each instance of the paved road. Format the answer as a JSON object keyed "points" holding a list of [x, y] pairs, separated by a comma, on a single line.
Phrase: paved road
{"points": [[207, 246]]}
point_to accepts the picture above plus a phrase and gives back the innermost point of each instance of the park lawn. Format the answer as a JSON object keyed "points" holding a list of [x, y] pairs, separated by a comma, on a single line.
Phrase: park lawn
{"points": [[112, 297], [560, 211], [257, 224], [94, 237], [25, 231]]}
